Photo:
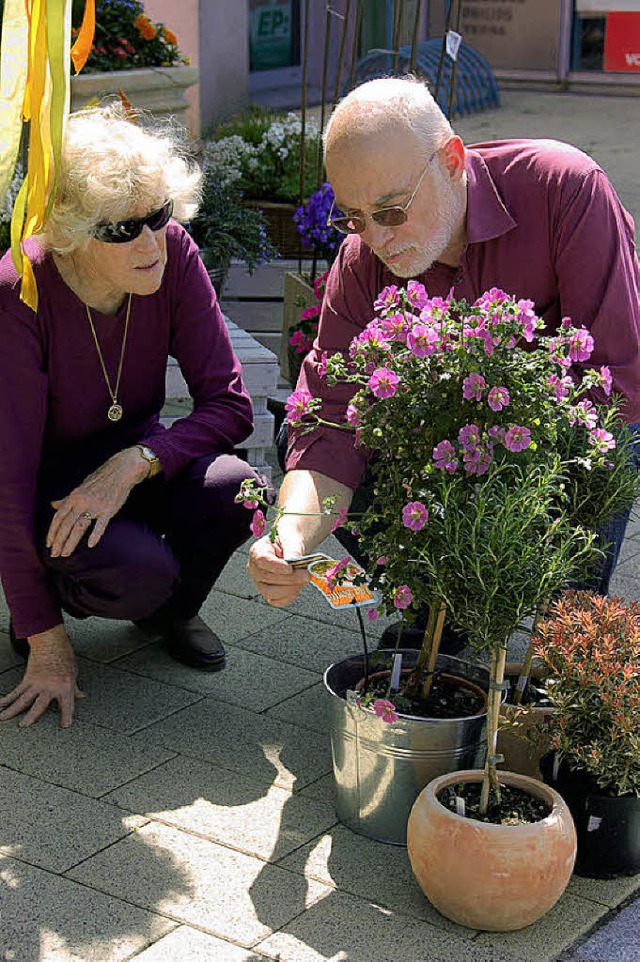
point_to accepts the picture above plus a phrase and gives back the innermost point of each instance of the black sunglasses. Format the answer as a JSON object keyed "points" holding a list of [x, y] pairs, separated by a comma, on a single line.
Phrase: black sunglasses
{"points": [[123, 231]]}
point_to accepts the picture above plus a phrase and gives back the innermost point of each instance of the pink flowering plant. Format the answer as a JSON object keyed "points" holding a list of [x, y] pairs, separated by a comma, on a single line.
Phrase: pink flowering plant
{"points": [[496, 453]]}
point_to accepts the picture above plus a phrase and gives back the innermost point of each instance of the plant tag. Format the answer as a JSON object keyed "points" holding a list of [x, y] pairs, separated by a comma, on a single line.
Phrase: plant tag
{"points": [[395, 671], [461, 808], [340, 590], [453, 44], [594, 823], [353, 698], [556, 768], [522, 683]]}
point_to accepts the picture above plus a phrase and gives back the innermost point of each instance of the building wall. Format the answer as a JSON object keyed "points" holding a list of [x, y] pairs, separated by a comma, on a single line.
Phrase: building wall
{"points": [[183, 20], [224, 59]]}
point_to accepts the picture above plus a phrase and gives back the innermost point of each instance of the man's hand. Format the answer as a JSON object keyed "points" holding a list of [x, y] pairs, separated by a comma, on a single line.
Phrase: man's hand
{"points": [[95, 501], [50, 677], [276, 581]]}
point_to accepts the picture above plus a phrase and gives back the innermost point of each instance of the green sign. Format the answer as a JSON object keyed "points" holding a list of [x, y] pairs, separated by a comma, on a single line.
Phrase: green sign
{"points": [[270, 32]]}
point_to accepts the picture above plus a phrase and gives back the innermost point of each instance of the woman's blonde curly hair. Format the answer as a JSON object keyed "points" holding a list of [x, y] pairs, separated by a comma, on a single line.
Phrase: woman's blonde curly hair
{"points": [[112, 167]]}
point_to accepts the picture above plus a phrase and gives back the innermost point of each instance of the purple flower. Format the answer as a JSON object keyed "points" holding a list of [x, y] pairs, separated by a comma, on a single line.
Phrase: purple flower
{"points": [[373, 614], [353, 415], [584, 413], [311, 221], [383, 382], [417, 294], [342, 514], [422, 339], [250, 504], [580, 345], [385, 710], [498, 398], [297, 404], [444, 455], [469, 436], [258, 524], [602, 440], [528, 319], [402, 597], [387, 299], [517, 438], [395, 327], [473, 386], [607, 380], [560, 386], [415, 515], [477, 461]]}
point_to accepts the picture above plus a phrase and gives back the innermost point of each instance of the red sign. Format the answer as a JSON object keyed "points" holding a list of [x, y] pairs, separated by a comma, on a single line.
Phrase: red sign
{"points": [[622, 42]]}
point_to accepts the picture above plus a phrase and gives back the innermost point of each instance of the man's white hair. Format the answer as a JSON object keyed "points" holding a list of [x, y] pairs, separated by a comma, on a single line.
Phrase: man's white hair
{"points": [[385, 103]]}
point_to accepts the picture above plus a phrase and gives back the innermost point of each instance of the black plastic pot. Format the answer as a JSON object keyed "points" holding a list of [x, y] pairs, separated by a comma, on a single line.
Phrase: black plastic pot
{"points": [[607, 826]]}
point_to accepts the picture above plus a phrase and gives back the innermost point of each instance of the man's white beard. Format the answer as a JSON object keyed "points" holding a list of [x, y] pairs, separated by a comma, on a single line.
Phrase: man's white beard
{"points": [[451, 210]]}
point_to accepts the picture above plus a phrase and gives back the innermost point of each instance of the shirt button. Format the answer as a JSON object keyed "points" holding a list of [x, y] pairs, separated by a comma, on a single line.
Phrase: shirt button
{"points": [[458, 277]]}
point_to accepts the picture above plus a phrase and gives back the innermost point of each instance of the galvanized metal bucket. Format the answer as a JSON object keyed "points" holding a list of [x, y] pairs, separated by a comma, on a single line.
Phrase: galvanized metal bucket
{"points": [[380, 769]]}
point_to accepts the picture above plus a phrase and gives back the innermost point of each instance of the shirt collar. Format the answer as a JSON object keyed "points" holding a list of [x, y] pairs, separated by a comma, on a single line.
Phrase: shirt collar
{"points": [[487, 216]]}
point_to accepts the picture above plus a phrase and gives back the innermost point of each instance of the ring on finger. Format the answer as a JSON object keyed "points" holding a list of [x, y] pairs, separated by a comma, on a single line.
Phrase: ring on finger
{"points": [[86, 518]]}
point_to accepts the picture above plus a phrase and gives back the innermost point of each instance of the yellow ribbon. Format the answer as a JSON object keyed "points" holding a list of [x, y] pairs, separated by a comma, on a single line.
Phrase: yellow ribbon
{"points": [[34, 83]]}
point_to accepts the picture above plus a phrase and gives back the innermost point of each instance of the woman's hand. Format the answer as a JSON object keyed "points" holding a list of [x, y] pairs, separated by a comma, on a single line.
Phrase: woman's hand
{"points": [[50, 676], [277, 582], [95, 501]]}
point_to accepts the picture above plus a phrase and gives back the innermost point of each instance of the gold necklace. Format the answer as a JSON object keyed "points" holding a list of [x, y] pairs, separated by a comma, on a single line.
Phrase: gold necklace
{"points": [[115, 411]]}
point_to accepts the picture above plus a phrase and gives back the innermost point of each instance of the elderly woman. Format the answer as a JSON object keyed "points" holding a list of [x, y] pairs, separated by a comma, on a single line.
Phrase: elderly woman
{"points": [[104, 511]]}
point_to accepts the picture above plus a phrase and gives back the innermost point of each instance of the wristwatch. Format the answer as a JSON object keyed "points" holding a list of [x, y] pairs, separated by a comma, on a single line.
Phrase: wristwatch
{"points": [[151, 458]]}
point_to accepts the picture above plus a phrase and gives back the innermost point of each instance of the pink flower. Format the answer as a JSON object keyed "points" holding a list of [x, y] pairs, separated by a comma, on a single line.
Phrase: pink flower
{"points": [[319, 286], [383, 382], [477, 461], [422, 340], [607, 380], [517, 438], [342, 514], [498, 398], [250, 504], [296, 338], [402, 597], [417, 294], [297, 404], [580, 345], [602, 440], [387, 298], [385, 710], [528, 319], [258, 524], [584, 413], [333, 572], [373, 614], [444, 455], [415, 515], [322, 364], [560, 386], [353, 415], [395, 327], [469, 436], [473, 386], [381, 560], [310, 312]]}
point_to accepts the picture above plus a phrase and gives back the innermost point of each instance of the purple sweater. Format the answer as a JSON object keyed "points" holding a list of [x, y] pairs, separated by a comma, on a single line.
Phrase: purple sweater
{"points": [[543, 222], [54, 428]]}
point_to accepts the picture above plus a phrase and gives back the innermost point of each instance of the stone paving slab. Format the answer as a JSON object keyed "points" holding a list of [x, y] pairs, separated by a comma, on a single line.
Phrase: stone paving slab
{"points": [[247, 679], [226, 807], [8, 658], [116, 699], [309, 709], [570, 918], [619, 941], [272, 751], [235, 618], [45, 918], [84, 758], [102, 640], [222, 891], [185, 944], [338, 858], [54, 828], [312, 645], [607, 891], [342, 927]]}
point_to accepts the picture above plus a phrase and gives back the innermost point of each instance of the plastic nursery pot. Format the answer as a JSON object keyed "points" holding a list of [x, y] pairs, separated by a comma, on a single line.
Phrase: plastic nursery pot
{"points": [[607, 826], [379, 769], [519, 755], [493, 877]]}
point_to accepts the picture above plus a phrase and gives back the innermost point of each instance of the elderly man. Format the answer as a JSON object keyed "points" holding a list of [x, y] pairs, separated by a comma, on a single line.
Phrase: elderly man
{"points": [[537, 218]]}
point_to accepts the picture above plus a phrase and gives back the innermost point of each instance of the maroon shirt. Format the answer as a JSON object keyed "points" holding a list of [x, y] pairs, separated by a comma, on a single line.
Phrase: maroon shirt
{"points": [[544, 223], [54, 428]]}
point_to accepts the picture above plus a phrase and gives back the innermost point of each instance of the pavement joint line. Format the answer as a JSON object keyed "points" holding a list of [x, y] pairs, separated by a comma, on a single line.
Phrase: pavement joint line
{"points": [[134, 778], [600, 923], [131, 732]]}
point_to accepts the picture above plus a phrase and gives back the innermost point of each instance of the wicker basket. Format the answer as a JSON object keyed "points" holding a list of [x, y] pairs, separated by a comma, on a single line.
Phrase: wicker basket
{"points": [[281, 230]]}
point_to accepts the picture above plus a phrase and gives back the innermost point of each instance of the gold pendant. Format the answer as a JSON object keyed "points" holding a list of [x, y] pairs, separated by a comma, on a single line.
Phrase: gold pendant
{"points": [[115, 412]]}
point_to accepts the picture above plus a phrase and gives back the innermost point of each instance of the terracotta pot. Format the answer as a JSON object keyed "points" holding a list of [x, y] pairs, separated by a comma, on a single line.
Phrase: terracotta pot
{"points": [[493, 877], [519, 755]]}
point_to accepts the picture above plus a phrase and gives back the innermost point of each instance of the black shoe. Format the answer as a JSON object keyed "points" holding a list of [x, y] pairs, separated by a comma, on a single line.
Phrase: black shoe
{"points": [[19, 645], [412, 635], [188, 640]]}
